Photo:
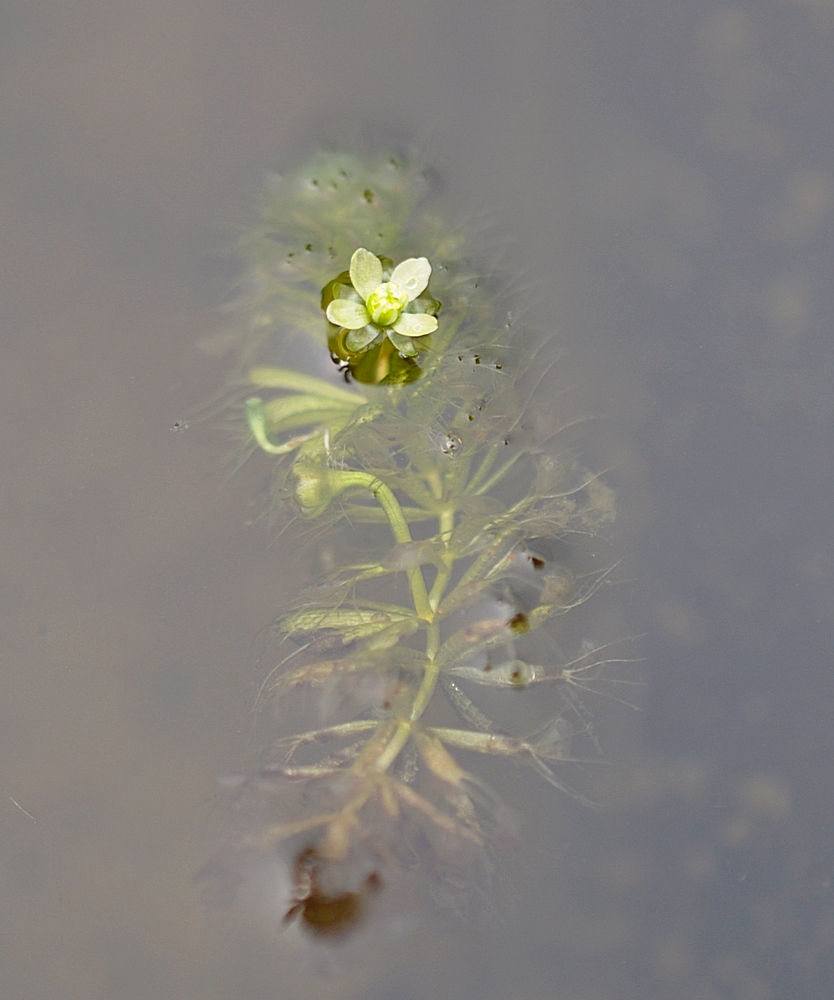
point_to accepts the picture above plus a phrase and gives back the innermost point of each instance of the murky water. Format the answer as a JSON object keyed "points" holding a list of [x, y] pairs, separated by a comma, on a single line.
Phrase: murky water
{"points": [[663, 178]]}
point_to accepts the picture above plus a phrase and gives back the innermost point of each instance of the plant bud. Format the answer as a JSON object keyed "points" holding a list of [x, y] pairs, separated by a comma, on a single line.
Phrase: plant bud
{"points": [[314, 487]]}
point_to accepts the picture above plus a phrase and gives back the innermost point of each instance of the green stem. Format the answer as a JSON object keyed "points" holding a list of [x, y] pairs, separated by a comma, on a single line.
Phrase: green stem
{"points": [[425, 693], [426, 690], [320, 488], [256, 418], [447, 524], [340, 481]]}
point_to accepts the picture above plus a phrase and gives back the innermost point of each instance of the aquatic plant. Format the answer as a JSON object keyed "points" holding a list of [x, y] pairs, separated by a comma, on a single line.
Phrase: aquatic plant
{"points": [[447, 512]]}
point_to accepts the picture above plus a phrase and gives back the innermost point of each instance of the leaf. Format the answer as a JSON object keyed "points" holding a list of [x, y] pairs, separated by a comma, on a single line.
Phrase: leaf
{"points": [[352, 623], [288, 412], [282, 378]]}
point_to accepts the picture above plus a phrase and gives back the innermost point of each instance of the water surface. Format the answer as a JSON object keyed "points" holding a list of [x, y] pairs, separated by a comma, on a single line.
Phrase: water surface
{"points": [[663, 176]]}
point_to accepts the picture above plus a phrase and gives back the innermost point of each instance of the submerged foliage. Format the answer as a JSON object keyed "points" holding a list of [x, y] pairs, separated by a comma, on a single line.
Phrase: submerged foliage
{"points": [[448, 514]]}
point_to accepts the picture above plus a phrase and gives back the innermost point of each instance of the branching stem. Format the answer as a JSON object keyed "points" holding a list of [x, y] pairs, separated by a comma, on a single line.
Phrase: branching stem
{"points": [[399, 527]]}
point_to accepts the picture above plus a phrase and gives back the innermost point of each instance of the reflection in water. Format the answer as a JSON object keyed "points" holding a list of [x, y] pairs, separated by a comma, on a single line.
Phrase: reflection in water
{"points": [[451, 524]]}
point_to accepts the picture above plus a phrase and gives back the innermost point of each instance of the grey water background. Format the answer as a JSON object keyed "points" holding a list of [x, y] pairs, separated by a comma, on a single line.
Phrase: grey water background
{"points": [[664, 174]]}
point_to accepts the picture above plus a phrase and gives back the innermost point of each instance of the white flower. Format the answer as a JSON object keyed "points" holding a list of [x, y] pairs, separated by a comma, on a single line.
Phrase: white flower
{"points": [[383, 303]]}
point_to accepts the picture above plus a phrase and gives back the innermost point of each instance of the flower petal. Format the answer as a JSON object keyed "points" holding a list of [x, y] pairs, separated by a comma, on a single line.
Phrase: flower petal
{"points": [[365, 272], [411, 276], [350, 315], [415, 325]]}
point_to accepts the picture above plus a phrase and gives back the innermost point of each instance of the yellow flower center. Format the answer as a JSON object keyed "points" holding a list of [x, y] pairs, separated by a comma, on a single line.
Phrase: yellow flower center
{"points": [[385, 304]]}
